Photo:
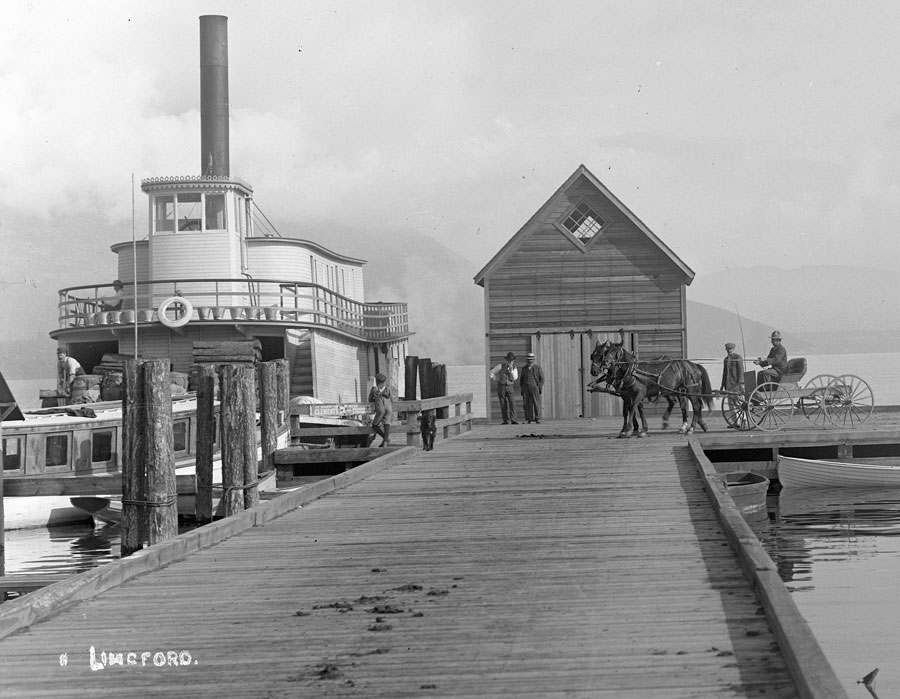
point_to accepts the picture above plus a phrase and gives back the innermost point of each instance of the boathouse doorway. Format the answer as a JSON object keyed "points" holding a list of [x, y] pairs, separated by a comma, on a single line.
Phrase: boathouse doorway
{"points": [[566, 361]]}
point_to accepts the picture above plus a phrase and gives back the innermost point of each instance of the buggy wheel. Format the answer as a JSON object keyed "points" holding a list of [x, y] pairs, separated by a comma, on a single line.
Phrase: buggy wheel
{"points": [[851, 401], [770, 407], [734, 410], [814, 398]]}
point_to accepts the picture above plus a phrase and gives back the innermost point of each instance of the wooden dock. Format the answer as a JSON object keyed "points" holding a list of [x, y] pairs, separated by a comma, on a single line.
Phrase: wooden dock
{"points": [[546, 560]]}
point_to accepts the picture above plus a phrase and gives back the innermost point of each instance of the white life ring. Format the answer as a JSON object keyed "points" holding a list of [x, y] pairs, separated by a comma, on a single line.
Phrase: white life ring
{"points": [[178, 322]]}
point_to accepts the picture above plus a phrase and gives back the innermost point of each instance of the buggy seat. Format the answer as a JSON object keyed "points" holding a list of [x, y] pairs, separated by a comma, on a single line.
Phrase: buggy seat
{"points": [[796, 370]]}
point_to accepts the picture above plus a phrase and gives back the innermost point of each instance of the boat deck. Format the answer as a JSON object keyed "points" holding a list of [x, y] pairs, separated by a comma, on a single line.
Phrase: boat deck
{"points": [[533, 560]]}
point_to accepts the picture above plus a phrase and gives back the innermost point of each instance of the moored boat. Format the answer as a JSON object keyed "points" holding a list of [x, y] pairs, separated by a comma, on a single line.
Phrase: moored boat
{"points": [[212, 272], [794, 472], [748, 490]]}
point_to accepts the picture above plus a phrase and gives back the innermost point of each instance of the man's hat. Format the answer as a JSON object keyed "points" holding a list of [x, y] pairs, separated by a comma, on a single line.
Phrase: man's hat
{"points": [[510, 356], [60, 350], [776, 335], [380, 378], [530, 355], [729, 345]]}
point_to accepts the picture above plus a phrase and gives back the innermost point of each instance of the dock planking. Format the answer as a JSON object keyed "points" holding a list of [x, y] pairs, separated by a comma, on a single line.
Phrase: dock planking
{"points": [[512, 561]]}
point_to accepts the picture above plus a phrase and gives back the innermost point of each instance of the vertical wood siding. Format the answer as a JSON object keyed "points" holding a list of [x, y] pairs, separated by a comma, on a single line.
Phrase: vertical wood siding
{"points": [[550, 283]]}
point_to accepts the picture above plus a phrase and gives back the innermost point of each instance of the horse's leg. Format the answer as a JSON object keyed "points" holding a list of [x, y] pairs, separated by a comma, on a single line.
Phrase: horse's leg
{"points": [[698, 414], [685, 427], [643, 431], [627, 415], [666, 415], [624, 417]]}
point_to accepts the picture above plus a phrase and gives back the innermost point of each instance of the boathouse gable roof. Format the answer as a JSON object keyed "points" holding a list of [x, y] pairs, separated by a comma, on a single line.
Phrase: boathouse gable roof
{"points": [[585, 214]]}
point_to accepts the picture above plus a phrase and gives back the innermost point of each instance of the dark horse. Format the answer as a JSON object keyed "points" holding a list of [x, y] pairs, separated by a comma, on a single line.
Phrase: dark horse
{"points": [[626, 386], [674, 379]]}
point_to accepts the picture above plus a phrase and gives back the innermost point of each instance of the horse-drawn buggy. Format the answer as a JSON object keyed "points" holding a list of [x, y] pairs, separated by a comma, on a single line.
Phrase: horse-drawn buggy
{"points": [[845, 400]]}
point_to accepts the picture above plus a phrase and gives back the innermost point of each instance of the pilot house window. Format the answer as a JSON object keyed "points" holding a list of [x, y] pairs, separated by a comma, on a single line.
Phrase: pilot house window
{"points": [[188, 209], [583, 222]]}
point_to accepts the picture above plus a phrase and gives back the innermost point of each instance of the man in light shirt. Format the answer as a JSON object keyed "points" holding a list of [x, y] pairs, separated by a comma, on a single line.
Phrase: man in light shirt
{"points": [[506, 374]]}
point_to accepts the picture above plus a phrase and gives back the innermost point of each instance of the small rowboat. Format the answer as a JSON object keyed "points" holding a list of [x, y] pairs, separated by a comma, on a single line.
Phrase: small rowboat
{"points": [[748, 490], [794, 472]]}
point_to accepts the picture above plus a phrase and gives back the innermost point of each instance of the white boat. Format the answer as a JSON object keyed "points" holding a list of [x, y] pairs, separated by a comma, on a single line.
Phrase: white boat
{"points": [[794, 472]]}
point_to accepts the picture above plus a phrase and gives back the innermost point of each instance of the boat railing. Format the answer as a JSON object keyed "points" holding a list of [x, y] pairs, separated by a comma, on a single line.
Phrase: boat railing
{"points": [[233, 300]]}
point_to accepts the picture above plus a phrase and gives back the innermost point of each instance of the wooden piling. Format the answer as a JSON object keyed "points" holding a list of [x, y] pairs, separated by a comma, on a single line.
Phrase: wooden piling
{"points": [[2, 525], [283, 374], [206, 434], [133, 466], [425, 377], [411, 366], [267, 375], [162, 492], [238, 437]]}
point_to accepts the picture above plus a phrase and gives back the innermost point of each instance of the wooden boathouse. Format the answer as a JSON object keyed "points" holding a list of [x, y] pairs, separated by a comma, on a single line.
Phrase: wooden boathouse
{"points": [[559, 562], [582, 268]]}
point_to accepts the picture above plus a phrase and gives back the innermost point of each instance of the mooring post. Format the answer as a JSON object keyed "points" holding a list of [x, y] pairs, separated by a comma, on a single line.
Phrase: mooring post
{"points": [[251, 453], [206, 436], [2, 525], [238, 437], [133, 465], [267, 373], [162, 491], [283, 372], [412, 366], [425, 377]]}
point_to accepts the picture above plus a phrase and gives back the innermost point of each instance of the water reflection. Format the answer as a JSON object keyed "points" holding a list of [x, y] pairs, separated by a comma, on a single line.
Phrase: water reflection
{"points": [[61, 550], [838, 551]]}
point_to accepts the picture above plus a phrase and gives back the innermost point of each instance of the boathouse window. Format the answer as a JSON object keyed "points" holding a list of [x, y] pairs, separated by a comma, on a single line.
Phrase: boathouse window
{"points": [[102, 446], [583, 222], [165, 213], [215, 212], [188, 211], [180, 432], [12, 453], [56, 450]]}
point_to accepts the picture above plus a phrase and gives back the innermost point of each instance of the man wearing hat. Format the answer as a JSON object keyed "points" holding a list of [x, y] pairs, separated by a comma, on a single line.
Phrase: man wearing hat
{"points": [[732, 371], [776, 361], [506, 374], [532, 386]]}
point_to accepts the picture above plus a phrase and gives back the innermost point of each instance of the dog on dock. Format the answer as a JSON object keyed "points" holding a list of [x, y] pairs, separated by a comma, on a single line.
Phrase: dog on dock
{"points": [[428, 429]]}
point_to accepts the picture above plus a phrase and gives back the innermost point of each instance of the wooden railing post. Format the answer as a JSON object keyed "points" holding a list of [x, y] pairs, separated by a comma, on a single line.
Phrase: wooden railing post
{"points": [[206, 434], [162, 493], [267, 374]]}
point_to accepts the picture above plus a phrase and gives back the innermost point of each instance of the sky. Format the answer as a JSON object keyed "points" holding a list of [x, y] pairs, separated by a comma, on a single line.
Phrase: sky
{"points": [[740, 133]]}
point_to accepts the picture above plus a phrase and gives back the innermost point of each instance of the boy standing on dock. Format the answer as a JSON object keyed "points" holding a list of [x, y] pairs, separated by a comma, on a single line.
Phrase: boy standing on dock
{"points": [[380, 397]]}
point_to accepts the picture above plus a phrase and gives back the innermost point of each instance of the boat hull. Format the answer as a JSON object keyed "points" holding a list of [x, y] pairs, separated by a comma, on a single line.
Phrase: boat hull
{"points": [[41, 511], [794, 472]]}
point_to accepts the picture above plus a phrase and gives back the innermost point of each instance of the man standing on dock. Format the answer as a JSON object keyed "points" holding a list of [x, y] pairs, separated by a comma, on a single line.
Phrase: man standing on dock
{"points": [[732, 371], [506, 374], [380, 398], [532, 386]]}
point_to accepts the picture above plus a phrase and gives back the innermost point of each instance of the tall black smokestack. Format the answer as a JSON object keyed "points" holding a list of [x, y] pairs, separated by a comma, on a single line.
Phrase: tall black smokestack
{"points": [[214, 158]]}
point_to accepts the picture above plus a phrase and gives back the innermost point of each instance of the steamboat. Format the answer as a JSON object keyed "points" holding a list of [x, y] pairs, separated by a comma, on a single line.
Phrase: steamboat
{"points": [[211, 270]]}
